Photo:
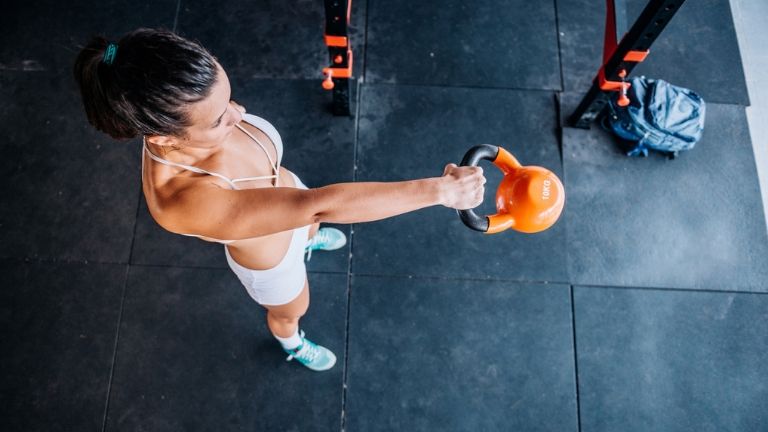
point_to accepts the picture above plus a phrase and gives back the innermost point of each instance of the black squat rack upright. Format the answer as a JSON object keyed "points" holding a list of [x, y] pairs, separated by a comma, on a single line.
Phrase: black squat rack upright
{"points": [[619, 58], [337, 75]]}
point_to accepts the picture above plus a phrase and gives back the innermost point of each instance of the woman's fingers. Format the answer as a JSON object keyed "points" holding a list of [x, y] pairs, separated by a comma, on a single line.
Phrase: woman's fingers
{"points": [[465, 186], [448, 168]]}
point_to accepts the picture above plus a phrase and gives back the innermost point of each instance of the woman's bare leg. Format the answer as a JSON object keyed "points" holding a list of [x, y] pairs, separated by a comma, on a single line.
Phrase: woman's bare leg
{"points": [[283, 320]]}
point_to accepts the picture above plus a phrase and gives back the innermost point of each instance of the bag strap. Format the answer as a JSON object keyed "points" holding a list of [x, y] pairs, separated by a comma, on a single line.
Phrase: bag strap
{"points": [[640, 147]]}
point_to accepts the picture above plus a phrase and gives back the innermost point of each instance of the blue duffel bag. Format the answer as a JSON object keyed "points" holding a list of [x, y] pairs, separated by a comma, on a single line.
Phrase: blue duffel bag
{"points": [[659, 116]]}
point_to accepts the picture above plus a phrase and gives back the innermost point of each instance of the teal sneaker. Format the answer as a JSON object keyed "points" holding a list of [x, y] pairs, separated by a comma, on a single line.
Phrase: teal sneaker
{"points": [[315, 357], [326, 239]]}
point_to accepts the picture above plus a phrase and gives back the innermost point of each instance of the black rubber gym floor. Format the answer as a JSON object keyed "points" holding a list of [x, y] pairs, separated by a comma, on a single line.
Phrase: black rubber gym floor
{"points": [[643, 309]]}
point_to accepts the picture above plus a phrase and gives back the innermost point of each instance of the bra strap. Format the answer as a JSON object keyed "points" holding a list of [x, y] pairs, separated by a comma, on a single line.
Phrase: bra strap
{"points": [[275, 166], [187, 167]]}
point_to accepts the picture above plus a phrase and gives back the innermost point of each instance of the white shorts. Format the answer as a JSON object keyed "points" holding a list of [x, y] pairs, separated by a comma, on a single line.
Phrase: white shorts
{"points": [[280, 284]]}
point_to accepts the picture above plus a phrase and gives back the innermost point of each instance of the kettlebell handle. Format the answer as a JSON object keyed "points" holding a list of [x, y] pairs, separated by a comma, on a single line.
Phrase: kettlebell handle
{"points": [[478, 153], [503, 160], [529, 199]]}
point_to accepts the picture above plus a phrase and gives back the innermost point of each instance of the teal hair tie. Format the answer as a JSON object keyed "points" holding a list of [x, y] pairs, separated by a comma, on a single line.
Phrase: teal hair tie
{"points": [[110, 53]]}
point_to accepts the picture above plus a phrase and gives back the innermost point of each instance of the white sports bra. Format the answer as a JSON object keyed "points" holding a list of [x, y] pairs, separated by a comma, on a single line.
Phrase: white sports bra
{"points": [[253, 120]]}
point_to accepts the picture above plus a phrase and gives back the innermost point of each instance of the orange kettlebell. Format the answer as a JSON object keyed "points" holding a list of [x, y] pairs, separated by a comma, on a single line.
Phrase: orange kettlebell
{"points": [[529, 198]]}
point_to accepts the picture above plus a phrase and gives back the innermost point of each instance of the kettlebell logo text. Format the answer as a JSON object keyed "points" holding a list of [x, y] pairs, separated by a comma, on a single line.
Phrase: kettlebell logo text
{"points": [[546, 191]]}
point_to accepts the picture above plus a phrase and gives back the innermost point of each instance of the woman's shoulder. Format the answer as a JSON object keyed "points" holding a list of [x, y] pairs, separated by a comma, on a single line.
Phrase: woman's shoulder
{"points": [[166, 199], [165, 179], [263, 125]]}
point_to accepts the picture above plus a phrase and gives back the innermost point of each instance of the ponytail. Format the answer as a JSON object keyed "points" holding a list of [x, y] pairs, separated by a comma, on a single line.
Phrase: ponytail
{"points": [[143, 84]]}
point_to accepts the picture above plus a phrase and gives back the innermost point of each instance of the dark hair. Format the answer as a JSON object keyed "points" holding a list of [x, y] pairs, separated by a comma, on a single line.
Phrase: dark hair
{"points": [[145, 90]]}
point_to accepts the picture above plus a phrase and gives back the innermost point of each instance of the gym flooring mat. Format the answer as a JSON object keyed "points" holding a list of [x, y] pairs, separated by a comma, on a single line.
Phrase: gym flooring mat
{"points": [[641, 306], [510, 44], [69, 192], [411, 132], [692, 222], [467, 355], [196, 354], [670, 360]]}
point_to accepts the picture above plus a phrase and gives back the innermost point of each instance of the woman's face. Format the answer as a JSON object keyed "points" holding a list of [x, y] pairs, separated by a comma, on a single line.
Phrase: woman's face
{"points": [[213, 118]]}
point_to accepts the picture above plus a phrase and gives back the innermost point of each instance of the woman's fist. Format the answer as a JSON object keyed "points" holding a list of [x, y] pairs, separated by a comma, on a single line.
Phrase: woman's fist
{"points": [[462, 187]]}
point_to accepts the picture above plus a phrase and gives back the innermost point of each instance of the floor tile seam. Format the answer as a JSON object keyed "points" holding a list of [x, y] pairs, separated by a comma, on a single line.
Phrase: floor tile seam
{"points": [[669, 289], [708, 101], [49, 260], [459, 279], [356, 139], [135, 223], [345, 370], [386, 275], [22, 69], [365, 42], [461, 87], [194, 267], [559, 129], [726, 103], [114, 350], [575, 359], [181, 266], [583, 93], [176, 16], [552, 282], [365, 82], [350, 257], [133, 264], [559, 47]]}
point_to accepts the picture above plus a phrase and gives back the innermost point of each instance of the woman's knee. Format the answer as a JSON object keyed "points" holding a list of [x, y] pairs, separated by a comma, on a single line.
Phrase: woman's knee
{"points": [[295, 309], [284, 317]]}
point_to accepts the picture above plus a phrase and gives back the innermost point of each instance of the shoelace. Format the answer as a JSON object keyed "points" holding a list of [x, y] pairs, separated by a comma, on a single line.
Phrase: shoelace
{"points": [[320, 237], [310, 354]]}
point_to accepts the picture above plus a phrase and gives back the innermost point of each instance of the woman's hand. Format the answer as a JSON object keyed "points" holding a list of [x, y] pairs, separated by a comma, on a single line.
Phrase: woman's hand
{"points": [[462, 187]]}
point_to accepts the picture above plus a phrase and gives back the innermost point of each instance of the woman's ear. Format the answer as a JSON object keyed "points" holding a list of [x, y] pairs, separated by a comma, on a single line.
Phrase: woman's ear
{"points": [[163, 140]]}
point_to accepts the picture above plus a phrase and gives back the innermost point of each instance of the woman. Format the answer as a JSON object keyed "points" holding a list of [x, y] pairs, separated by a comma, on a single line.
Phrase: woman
{"points": [[212, 171]]}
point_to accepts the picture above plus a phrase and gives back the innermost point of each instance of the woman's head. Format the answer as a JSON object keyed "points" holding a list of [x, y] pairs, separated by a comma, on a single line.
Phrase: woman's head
{"points": [[157, 84]]}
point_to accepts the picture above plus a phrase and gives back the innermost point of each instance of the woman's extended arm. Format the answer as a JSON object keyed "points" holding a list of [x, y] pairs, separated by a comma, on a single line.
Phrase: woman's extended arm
{"points": [[237, 214]]}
